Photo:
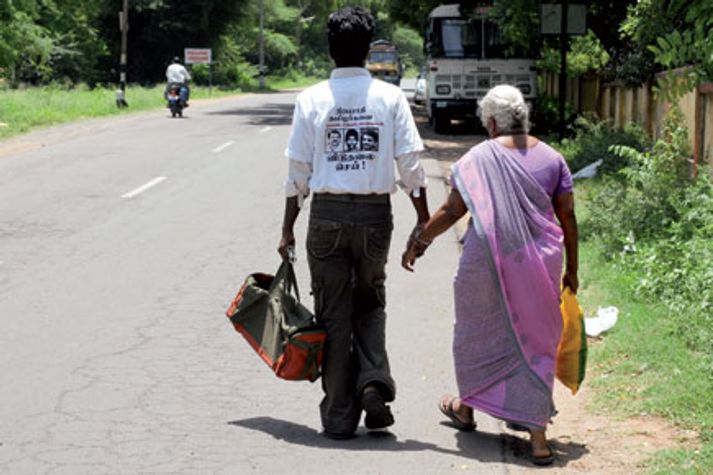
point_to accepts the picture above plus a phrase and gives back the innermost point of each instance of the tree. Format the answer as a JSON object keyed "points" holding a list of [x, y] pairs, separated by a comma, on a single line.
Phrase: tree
{"points": [[161, 29], [689, 45], [412, 12], [49, 39]]}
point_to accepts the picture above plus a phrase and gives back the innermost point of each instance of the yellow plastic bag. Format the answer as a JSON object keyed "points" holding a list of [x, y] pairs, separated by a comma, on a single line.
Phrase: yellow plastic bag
{"points": [[572, 348]]}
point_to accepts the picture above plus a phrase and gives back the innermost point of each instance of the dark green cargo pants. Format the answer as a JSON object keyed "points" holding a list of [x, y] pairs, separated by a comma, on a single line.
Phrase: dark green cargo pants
{"points": [[347, 246]]}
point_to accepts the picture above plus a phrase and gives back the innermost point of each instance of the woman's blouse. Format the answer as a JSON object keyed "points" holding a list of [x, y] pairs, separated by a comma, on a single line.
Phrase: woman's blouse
{"points": [[546, 165]]}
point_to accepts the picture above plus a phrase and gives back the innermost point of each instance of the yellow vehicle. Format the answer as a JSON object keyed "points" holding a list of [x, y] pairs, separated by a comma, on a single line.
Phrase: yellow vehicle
{"points": [[383, 62]]}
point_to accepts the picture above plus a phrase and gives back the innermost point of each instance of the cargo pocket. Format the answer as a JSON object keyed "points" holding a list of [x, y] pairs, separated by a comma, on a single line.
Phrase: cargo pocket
{"points": [[377, 239], [323, 237]]}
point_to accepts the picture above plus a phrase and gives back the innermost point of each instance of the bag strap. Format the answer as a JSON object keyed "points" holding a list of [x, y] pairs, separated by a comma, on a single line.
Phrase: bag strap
{"points": [[286, 274], [291, 281], [311, 369]]}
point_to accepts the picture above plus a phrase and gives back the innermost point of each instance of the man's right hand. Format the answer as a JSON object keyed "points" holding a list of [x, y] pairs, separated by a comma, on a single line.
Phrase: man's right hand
{"points": [[287, 241]]}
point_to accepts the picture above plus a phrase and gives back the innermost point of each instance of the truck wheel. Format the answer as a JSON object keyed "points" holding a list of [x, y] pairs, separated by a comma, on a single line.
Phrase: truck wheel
{"points": [[441, 123]]}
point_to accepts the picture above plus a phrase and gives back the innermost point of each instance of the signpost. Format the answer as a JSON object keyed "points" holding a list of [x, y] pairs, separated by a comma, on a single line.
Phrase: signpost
{"points": [[200, 56], [124, 28], [262, 45], [563, 19]]}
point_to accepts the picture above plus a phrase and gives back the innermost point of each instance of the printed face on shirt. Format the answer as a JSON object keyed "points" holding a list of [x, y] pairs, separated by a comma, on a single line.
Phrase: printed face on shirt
{"points": [[334, 140], [352, 140], [370, 139]]}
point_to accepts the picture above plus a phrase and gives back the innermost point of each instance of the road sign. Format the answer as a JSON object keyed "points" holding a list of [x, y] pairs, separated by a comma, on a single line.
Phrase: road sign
{"points": [[198, 55]]}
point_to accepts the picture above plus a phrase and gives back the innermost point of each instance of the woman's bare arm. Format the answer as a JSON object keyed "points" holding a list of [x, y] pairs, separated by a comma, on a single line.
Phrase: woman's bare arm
{"points": [[564, 209], [447, 215]]}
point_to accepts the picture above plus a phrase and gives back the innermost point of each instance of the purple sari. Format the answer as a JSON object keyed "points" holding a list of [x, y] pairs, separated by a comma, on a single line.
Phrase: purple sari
{"points": [[508, 321]]}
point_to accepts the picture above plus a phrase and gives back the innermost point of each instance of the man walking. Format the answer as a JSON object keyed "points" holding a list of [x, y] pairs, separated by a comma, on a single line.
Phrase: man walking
{"points": [[350, 221]]}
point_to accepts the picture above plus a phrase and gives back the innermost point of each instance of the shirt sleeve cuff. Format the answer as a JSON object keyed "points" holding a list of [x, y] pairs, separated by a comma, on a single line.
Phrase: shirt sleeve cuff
{"points": [[413, 176], [297, 182]]}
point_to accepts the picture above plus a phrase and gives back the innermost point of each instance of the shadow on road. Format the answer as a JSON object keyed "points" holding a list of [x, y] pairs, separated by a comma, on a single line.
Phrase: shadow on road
{"points": [[269, 114], [481, 446], [509, 449], [298, 434]]}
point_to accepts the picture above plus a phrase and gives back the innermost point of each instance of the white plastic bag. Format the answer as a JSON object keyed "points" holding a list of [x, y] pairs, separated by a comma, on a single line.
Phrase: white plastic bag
{"points": [[590, 171], [605, 319]]}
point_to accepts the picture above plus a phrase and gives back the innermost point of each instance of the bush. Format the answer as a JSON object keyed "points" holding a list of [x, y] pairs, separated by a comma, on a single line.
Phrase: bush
{"points": [[201, 74], [593, 141], [545, 119], [317, 67], [658, 223], [586, 54], [238, 74]]}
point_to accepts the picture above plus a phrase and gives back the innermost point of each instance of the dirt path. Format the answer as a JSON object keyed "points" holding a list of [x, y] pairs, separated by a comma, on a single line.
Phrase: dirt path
{"points": [[585, 442]]}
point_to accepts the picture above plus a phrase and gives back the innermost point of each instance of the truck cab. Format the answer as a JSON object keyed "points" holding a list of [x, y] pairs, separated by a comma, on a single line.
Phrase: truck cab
{"points": [[384, 62], [466, 56]]}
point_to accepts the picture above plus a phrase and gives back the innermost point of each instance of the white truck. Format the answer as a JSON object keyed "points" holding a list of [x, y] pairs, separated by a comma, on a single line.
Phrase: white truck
{"points": [[466, 57]]}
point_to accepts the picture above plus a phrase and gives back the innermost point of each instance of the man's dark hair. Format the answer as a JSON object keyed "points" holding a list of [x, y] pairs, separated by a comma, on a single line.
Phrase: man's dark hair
{"points": [[349, 33], [371, 133]]}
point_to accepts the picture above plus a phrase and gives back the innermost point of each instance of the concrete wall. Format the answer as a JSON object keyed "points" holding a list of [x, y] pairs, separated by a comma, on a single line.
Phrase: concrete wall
{"points": [[621, 105], [706, 127]]}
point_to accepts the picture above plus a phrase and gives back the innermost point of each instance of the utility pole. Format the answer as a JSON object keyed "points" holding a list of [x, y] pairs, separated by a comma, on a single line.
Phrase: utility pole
{"points": [[563, 66], [124, 27], [262, 44]]}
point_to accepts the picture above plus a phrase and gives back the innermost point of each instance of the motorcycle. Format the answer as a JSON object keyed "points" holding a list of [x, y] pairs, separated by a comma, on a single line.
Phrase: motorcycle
{"points": [[177, 97]]}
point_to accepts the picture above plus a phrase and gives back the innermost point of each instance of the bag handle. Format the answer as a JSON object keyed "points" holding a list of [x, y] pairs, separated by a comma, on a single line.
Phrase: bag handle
{"points": [[286, 274]]}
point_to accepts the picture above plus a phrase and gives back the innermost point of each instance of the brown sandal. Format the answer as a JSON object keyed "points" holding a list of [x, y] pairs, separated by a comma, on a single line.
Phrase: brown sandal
{"points": [[543, 460], [446, 408]]}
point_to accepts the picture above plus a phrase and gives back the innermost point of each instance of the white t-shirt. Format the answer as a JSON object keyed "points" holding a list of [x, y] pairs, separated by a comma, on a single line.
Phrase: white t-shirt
{"points": [[177, 73], [347, 134]]}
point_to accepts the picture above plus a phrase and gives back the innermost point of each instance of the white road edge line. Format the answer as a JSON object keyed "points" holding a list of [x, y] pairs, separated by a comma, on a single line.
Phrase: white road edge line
{"points": [[144, 187], [265, 129], [220, 148]]}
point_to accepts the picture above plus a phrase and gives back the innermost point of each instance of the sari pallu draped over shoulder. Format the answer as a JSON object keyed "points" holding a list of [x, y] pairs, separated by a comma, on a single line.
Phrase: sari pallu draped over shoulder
{"points": [[508, 321]]}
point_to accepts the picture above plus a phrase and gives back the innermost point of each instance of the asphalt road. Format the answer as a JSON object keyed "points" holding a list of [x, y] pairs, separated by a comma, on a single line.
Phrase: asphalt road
{"points": [[122, 242]]}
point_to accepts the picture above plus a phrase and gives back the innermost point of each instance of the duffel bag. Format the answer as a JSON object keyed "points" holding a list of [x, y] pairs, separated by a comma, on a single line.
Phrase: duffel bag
{"points": [[267, 311]]}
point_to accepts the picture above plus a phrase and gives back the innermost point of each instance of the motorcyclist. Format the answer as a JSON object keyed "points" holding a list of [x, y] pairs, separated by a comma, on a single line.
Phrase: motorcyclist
{"points": [[178, 76]]}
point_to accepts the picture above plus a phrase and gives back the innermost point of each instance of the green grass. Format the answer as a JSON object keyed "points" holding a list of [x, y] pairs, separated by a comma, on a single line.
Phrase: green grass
{"points": [[642, 366], [291, 83], [27, 109], [23, 110]]}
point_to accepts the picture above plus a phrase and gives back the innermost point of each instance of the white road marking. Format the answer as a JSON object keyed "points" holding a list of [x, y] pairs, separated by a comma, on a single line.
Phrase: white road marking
{"points": [[220, 148], [144, 187], [265, 129]]}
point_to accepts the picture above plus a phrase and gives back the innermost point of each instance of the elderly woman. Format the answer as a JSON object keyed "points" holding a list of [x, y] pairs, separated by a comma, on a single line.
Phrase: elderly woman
{"points": [[518, 191]]}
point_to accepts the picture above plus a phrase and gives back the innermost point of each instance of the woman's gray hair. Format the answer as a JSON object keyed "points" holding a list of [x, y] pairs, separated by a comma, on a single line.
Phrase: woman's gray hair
{"points": [[506, 105]]}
